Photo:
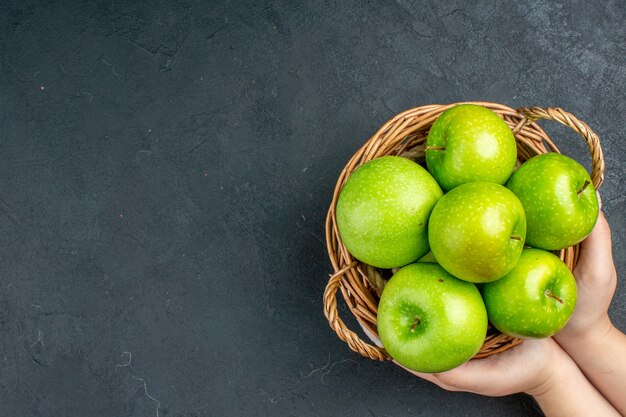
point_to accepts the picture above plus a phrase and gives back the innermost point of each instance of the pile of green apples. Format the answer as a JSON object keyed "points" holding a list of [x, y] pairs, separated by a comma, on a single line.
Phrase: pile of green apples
{"points": [[472, 237]]}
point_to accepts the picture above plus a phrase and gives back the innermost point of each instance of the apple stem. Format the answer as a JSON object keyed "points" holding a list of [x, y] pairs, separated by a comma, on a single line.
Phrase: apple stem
{"points": [[435, 148], [516, 238], [416, 322], [552, 295], [583, 187]]}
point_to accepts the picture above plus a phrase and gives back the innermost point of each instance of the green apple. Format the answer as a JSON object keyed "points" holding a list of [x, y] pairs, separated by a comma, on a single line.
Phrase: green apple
{"points": [[535, 299], [383, 209], [429, 257], [559, 199], [477, 231], [430, 321], [470, 143]]}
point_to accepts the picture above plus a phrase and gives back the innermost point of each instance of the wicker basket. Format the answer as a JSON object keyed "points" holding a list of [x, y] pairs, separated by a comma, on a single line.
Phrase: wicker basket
{"points": [[405, 135]]}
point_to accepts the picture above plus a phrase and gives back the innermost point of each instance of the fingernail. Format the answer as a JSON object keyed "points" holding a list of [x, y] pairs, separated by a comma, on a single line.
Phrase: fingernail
{"points": [[599, 200]]}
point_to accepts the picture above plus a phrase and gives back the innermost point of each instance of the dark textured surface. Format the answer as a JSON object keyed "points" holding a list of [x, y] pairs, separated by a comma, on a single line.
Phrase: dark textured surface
{"points": [[165, 170]]}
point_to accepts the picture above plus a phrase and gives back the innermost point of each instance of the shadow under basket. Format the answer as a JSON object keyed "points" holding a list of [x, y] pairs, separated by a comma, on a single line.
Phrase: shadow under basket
{"points": [[405, 135]]}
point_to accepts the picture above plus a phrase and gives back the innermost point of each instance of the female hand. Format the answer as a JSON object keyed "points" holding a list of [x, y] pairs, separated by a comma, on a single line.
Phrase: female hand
{"points": [[537, 367], [596, 279], [589, 338], [525, 368]]}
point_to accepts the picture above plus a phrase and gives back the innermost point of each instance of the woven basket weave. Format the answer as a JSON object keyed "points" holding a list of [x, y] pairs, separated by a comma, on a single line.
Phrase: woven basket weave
{"points": [[405, 135]]}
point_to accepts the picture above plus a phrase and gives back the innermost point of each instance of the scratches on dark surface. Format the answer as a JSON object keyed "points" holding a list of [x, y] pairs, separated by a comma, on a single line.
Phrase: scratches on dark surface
{"points": [[108, 64], [369, 410], [310, 233], [192, 150], [146, 50], [143, 382], [419, 34], [215, 32], [37, 361], [328, 367], [86, 93], [9, 212], [454, 11], [39, 339], [202, 407], [169, 63], [59, 313], [387, 106], [332, 365], [317, 369]]}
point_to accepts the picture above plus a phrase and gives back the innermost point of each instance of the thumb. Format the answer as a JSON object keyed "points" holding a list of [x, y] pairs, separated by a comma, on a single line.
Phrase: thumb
{"points": [[473, 376], [596, 248]]}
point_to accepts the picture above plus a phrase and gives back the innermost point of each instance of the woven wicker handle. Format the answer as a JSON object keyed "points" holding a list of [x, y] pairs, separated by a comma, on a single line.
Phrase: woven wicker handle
{"points": [[571, 121], [345, 334]]}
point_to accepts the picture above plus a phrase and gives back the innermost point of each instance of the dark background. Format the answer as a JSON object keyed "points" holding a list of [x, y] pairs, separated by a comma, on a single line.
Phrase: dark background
{"points": [[165, 168]]}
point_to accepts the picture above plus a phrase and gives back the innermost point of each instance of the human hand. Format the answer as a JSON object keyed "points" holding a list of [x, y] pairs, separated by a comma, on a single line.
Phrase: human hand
{"points": [[596, 279], [538, 367], [589, 338], [528, 368]]}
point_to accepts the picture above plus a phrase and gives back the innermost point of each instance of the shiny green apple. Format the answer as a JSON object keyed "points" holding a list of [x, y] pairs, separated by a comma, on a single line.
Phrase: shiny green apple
{"points": [[477, 231], [470, 143], [383, 209], [535, 299], [559, 199], [430, 321]]}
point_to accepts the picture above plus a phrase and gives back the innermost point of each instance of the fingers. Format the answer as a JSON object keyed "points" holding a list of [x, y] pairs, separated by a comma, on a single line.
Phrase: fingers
{"points": [[515, 370], [472, 376], [599, 241], [596, 248], [434, 378], [428, 377]]}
